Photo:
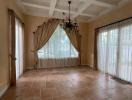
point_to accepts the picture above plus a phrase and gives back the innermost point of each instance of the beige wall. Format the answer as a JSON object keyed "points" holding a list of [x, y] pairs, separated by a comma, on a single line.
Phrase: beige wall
{"points": [[83, 27], [121, 13], [4, 61], [31, 23]]}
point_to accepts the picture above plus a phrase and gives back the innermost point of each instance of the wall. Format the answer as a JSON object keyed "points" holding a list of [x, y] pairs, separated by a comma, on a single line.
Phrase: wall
{"points": [[31, 23], [118, 14], [4, 61], [83, 27]]}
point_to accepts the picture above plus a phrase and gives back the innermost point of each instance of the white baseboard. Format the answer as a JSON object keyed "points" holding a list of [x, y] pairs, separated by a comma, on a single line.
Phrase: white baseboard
{"points": [[3, 90]]}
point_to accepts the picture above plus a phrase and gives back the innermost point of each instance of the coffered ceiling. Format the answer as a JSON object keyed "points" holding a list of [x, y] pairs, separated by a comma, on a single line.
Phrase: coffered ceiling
{"points": [[82, 10]]}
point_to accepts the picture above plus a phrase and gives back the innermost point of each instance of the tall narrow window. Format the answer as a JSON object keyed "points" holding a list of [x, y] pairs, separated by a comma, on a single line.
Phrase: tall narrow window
{"points": [[58, 51], [115, 50], [19, 48]]}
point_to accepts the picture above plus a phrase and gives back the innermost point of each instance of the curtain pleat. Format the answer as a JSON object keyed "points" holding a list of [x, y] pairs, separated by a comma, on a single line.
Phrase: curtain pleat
{"points": [[74, 37]]}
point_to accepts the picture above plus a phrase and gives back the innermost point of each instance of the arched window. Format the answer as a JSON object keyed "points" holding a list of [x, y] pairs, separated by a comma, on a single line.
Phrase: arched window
{"points": [[58, 51], [58, 46]]}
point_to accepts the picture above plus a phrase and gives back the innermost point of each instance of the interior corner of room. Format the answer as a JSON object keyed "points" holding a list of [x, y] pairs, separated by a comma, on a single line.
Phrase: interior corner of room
{"points": [[37, 47]]}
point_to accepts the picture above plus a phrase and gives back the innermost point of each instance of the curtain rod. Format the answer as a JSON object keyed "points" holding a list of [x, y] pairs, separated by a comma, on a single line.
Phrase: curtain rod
{"points": [[115, 22], [12, 11]]}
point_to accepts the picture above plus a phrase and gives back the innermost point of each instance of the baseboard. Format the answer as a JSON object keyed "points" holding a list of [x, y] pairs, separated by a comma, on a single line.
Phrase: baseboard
{"points": [[3, 90], [85, 65], [29, 68], [88, 65]]}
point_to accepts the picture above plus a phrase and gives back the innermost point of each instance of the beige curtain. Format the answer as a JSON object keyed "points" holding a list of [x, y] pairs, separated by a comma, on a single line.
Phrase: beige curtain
{"points": [[43, 34], [75, 39]]}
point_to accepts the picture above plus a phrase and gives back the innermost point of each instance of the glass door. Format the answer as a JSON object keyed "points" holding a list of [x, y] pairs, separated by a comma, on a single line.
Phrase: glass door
{"points": [[19, 49]]}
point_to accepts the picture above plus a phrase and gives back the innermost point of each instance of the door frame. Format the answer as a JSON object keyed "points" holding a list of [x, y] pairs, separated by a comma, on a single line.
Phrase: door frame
{"points": [[12, 16], [12, 46], [96, 49]]}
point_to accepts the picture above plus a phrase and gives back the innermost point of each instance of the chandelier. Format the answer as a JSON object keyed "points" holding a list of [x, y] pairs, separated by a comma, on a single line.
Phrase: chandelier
{"points": [[68, 23]]}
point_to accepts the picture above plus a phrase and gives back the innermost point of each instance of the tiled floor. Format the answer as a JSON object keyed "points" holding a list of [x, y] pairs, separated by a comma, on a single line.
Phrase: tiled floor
{"points": [[68, 84]]}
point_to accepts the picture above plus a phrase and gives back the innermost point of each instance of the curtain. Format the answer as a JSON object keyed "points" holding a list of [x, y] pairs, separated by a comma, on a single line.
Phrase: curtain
{"points": [[107, 51], [115, 50], [42, 35], [75, 39], [125, 53], [58, 51]]}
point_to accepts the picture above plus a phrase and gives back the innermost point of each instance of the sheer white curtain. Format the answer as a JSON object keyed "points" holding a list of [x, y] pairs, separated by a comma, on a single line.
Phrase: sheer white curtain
{"points": [[19, 48], [115, 50], [125, 52], [58, 51]]}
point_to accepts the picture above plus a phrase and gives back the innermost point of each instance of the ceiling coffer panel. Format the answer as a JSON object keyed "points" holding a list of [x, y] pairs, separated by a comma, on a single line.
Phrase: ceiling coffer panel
{"points": [[82, 18], [94, 9], [63, 4], [37, 11], [61, 15], [58, 15], [38, 2], [114, 2]]}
